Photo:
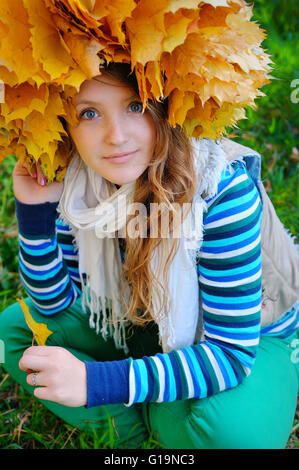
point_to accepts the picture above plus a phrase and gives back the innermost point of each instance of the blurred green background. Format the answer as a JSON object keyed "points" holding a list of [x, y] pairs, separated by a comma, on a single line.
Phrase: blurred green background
{"points": [[272, 129]]}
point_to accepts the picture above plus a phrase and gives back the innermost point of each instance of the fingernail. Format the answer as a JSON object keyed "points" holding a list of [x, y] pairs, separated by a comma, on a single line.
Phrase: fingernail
{"points": [[43, 181]]}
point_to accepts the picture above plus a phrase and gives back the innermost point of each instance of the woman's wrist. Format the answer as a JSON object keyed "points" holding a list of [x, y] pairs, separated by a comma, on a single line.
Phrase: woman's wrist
{"points": [[36, 219], [107, 382]]}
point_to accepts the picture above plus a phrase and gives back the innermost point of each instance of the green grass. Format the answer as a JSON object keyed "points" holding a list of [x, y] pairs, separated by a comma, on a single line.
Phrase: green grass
{"points": [[272, 130], [27, 424]]}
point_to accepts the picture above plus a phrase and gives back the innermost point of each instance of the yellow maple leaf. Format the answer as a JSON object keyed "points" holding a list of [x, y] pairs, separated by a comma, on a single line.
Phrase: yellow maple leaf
{"points": [[218, 3], [40, 331], [8, 77], [84, 52], [155, 80], [47, 47], [179, 105], [74, 78], [89, 4], [176, 28], [146, 37], [174, 5], [15, 46], [54, 166], [21, 100]]}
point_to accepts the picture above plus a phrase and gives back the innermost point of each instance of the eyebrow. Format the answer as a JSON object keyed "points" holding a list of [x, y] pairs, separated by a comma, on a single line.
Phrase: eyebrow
{"points": [[92, 103]]}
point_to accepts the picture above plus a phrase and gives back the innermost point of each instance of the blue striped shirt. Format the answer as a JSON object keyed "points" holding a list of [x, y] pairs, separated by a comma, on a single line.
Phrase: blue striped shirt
{"points": [[229, 273]]}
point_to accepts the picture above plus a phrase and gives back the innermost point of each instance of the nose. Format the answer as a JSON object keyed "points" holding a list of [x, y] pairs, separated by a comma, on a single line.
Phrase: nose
{"points": [[116, 131]]}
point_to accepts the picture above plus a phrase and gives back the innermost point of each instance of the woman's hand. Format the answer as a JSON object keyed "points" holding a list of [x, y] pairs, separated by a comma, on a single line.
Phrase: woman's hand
{"points": [[61, 376], [32, 188]]}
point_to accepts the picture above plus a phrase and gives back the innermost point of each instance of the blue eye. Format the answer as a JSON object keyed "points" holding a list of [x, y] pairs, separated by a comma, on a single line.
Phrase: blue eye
{"points": [[136, 107], [88, 113]]}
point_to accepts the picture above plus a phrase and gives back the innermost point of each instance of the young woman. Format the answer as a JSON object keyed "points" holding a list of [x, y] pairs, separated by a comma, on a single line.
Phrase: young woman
{"points": [[161, 334]]}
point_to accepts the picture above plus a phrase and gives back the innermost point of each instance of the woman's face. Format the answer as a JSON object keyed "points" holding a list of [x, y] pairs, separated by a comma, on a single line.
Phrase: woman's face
{"points": [[113, 136]]}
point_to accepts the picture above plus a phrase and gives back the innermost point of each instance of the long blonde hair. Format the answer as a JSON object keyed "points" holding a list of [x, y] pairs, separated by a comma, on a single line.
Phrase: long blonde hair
{"points": [[170, 178]]}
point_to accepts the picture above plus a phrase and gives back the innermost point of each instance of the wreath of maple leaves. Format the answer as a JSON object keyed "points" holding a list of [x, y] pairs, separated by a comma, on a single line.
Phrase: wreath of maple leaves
{"points": [[204, 57]]}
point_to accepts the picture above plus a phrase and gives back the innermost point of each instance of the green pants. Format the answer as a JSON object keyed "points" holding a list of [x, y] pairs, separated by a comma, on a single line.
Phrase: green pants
{"points": [[258, 414]]}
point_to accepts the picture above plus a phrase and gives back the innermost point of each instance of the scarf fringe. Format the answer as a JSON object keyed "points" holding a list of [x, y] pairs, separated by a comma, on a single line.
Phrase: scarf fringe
{"points": [[102, 312]]}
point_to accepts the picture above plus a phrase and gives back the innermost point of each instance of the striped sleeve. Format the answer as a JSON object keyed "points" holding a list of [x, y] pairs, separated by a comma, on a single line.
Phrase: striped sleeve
{"points": [[284, 326], [229, 273], [48, 261], [65, 240]]}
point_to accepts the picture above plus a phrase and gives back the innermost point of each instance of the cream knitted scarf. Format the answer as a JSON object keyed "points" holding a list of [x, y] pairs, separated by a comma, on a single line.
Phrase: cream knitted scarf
{"points": [[97, 211]]}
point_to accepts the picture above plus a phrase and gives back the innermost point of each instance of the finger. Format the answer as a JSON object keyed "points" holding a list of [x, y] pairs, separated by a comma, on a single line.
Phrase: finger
{"points": [[30, 362], [41, 179], [42, 393], [20, 168], [33, 172], [39, 350], [40, 379]]}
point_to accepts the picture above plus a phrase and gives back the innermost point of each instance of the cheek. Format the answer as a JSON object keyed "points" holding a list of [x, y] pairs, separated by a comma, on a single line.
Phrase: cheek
{"points": [[148, 134], [83, 140]]}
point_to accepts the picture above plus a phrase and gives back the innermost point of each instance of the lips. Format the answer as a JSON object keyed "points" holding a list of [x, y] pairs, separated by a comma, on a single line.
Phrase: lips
{"points": [[117, 155], [121, 157]]}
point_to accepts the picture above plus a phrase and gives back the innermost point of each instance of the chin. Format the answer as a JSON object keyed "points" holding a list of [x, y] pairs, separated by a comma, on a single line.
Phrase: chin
{"points": [[123, 179]]}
